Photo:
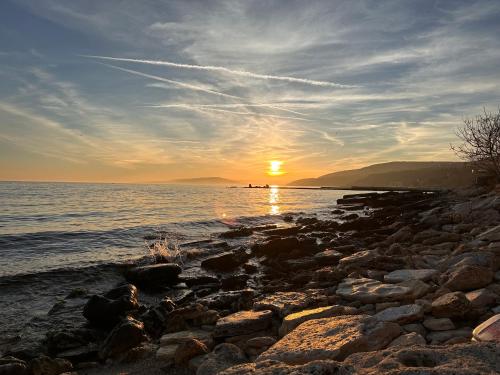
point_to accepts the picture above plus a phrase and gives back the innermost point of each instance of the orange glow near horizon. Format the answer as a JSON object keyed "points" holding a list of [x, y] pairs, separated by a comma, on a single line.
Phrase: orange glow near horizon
{"points": [[275, 168]]}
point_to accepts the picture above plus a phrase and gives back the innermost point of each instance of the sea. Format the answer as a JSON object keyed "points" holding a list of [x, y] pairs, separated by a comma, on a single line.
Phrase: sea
{"points": [[58, 237]]}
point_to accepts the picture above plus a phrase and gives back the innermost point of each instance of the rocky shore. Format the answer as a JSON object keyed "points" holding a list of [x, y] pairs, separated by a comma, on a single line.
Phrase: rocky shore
{"points": [[393, 283]]}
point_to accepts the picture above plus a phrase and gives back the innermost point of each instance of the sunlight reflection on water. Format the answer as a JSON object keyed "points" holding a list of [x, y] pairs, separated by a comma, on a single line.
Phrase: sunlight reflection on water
{"points": [[274, 199]]}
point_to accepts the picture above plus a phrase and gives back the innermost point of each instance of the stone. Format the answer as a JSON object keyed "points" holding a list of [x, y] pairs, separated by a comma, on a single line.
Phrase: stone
{"points": [[488, 330], [106, 311], [224, 356], [155, 276], [438, 324], [385, 305], [223, 262], [257, 345], [401, 314], [450, 305], [482, 298], [238, 232], [409, 274], [331, 338], [491, 235], [415, 327], [13, 366], [439, 337], [465, 278], [408, 340], [370, 259], [176, 338], [276, 246], [464, 359], [278, 368], [284, 303], [187, 350], [44, 365], [372, 291], [126, 335], [293, 320], [328, 257], [167, 353], [242, 323]]}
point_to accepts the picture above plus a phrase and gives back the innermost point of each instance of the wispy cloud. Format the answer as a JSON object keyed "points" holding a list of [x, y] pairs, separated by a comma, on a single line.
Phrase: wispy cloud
{"points": [[222, 69]]}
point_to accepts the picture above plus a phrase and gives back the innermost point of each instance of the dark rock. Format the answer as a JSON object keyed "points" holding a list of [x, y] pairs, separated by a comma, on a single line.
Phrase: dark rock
{"points": [[276, 246], [123, 337], [189, 349], [223, 262], [47, 366], [223, 357], [450, 305], [13, 366], [465, 278], [105, 311], [235, 233], [155, 276], [234, 282]]}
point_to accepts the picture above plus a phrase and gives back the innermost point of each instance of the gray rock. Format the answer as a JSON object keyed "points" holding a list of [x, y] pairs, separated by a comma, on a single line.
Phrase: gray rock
{"points": [[466, 277], [372, 291], [401, 314], [242, 323], [223, 357], [409, 339], [450, 305], [408, 274], [438, 324], [439, 337]]}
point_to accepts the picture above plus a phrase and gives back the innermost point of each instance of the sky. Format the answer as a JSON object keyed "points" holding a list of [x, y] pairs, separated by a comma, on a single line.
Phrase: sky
{"points": [[149, 91]]}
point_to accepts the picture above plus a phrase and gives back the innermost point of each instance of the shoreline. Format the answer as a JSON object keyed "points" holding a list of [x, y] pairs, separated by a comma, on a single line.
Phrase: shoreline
{"points": [[265, 294]]}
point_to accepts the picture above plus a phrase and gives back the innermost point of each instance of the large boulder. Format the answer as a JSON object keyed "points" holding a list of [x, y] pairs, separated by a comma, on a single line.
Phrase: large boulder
{"points": [[293, 320], [127, 335], [243, 323], [373, 291], [465, 359], [224, 262], [155, 275], [332, 338], [466, 277], [107, 310]]}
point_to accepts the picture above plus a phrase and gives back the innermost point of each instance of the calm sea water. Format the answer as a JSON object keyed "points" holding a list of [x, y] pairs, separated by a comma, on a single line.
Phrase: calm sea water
{"points": [[47, 226]]}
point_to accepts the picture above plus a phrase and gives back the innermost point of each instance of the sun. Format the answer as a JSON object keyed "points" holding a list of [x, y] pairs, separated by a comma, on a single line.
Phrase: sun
{"points": [[275, 168]]}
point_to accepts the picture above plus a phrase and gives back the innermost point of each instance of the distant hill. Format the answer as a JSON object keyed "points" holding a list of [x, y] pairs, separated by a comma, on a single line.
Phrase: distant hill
{"points": [[204, 181], [398, 174]]}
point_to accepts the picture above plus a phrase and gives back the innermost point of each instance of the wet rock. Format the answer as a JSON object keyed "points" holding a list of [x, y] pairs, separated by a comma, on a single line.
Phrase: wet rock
{"points": [[105, 311], [370, 259], [44, 365], [401, 314], [154, 276], [196, 279], [242, 323], [234, 282], [224, 262], [409, 339], [450, 305], [466, 359], [235, 233], [189, 349], [123, 337], [372, 291], [488, 330], [465, 278], [284, 303], [193, 315], [276, 246], [410, 274], [331, 338], [13, 366], [231, 300], [293, 320], [224, 356], [438, 324], [279, 368]]}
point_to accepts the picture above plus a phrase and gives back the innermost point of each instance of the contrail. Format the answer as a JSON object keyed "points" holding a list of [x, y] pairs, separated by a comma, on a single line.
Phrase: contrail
{"points": [[225, 70], [232, 105], [181, 84], [205, 108]]}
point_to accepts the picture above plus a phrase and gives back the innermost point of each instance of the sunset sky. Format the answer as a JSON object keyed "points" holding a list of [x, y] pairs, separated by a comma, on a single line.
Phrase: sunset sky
{"points": [[138, 91]]}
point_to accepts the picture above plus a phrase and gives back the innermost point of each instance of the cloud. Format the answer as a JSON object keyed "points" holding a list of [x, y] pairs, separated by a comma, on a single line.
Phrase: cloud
{"points": [[226, 70]]}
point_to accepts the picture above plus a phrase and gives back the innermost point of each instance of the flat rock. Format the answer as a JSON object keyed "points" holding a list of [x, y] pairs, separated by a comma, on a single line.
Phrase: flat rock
{"points": [[293, 320], [328, 257], [223, 262], [155, 275], [439, 337], [370, 259], [439, 324], [404, 275], [176, 338], [492, 234], [223, 356], [243, 323], [332, 338], [284, 303], [463, 359], [372, 291], [450, 305], [401, 314]]}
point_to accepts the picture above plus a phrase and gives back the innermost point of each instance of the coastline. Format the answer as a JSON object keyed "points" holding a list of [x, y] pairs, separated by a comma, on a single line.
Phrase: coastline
{"points": [[255, 294]]}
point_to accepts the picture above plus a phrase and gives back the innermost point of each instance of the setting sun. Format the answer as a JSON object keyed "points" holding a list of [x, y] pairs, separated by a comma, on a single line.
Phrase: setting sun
{"points": [[275, 168]]}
